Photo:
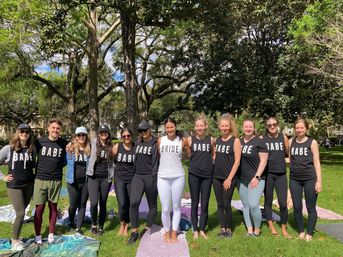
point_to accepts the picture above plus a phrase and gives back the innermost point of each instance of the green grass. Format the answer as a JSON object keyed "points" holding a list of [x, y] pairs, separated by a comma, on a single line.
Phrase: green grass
{"points": [[266, 245]]}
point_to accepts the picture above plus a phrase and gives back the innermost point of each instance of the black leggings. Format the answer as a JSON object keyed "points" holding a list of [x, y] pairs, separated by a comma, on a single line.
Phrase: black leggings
{"points": [[139, 185], [279, 182], [197, 186], [308, 187], [224, 202], [98, 189], [123, 197], [78, 196]]}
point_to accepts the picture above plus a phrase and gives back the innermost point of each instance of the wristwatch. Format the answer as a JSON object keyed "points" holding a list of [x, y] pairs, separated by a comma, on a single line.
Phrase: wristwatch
{"points": [[258, 177]]}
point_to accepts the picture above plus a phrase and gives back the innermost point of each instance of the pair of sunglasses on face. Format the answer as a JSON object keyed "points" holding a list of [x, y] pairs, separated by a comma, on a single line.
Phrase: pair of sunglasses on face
{"points": [[272, 125], [81, 135], [24, 131], [142, 130], [126, 136]]}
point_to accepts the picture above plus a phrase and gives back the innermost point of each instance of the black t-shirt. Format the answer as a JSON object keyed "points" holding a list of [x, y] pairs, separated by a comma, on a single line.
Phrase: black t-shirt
{"points": [[276, 154], [201, 162], [21, 166], [51, 158], [124, 163], [251, 159], [225, 158], [146, 157], [80, 167], [301, 161], [101, 164]]}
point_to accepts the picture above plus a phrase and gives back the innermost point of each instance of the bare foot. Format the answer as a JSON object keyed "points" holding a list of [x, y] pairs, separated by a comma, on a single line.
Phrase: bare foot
{"points": [[308, 238], [286, 235], [126, 228], [203, 235], [196, 235], [166, 237], [272, 228], [174, 237], [121, 229], [302, 236]]}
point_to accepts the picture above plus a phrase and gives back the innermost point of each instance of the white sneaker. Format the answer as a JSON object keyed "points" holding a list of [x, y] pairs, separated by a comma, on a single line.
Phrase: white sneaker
{"points": [[38, 240], [17, 246], [51, 238]]}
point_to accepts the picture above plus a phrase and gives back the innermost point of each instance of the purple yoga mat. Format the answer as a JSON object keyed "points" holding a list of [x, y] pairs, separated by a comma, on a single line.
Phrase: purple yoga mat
{"points": [[152, 245]]}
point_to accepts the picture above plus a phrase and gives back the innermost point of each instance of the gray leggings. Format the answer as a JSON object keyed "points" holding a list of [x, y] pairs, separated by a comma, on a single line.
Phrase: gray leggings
{"points": [[250, 198], [20, 198]]}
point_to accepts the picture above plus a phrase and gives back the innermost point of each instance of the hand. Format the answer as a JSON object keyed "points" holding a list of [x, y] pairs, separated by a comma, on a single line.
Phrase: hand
{"points": [[254, 182], [8, 178], [318, 186], [227, 184]]}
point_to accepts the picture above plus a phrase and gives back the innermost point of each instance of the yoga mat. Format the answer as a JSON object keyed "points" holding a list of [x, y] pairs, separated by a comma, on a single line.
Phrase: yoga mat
{"points": [[323, 213], [334, 230], [7, 213], [152, 245]]}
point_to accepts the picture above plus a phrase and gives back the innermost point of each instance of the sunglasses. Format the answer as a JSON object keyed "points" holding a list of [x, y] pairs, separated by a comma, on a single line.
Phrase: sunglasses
{"points": [[272, 125], [126, 136], [81, 135], [24, 131], [142, 130]]}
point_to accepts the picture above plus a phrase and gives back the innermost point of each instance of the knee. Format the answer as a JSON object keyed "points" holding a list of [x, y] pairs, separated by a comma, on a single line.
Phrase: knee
{"points": [[20, 214], [165, 210]]}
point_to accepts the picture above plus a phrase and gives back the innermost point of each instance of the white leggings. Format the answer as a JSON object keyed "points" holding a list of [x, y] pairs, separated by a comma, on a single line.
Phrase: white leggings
{"points": [[170, 189]]}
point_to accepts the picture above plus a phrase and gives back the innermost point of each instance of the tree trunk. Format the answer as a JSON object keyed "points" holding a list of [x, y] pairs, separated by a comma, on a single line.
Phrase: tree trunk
{"points": [[93, 73], [128, 25]]}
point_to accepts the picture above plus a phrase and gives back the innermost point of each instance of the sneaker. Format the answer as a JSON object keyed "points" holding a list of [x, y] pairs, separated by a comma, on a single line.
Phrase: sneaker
{"points": [[71, 227], [38, 240], [141, 234], [51, 238], [133, 238], [78, 231], [228, 234], [100, 231], [94, 230], [17, 246], [221, 233]]}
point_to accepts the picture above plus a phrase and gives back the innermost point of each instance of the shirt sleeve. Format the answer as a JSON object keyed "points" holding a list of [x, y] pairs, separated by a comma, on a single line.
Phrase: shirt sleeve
{"points": [[262, 148], [5, 154]]}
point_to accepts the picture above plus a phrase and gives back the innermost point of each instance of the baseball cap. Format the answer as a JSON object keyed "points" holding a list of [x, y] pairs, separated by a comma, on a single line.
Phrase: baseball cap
{"points": [[103, 128], [24, 126], [80, 130], [143, 125]]}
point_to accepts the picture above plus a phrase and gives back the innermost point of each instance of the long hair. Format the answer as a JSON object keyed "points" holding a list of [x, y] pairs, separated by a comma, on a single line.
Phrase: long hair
{"points": [[15, 142], [233, 127], [75, 147], [172, 120], [108, 146], [302, 120]]}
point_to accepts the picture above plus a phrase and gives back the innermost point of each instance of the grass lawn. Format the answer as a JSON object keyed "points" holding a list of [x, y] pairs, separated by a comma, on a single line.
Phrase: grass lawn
{"points": [[266, 245]]}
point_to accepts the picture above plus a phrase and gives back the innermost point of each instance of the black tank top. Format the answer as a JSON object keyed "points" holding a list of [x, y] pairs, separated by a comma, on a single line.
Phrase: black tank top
{"points": [[20, 166], [276, 154], [301, 158], [101, 164], [225, 158], [146, 157], [124, 163], [251, 159], [201, 162]]}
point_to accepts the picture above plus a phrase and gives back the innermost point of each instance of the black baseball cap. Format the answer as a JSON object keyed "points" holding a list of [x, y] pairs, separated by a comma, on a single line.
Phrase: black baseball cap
{"points": [[143, 125], [24, 126], [103, 128]]}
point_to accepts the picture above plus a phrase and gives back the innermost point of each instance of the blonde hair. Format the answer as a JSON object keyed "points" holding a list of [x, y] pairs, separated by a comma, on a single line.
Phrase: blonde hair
{"points": [[203, 118], [233, 127], [75, 147]]}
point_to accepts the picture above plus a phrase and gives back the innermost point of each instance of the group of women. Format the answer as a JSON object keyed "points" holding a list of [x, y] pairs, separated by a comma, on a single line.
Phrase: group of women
{"points": [[253, 164]]}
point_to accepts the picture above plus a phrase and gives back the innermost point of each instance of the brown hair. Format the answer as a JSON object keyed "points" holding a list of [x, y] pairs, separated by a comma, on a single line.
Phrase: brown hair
{"points": [[302, 120], [75, 147], [57, 121], [269, 118], [233, 127], [15, 142], [253, 123]]}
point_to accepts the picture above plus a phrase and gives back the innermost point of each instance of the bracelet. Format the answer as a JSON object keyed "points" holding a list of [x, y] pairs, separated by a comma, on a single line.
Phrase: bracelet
{"points": [[258, 177]]}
